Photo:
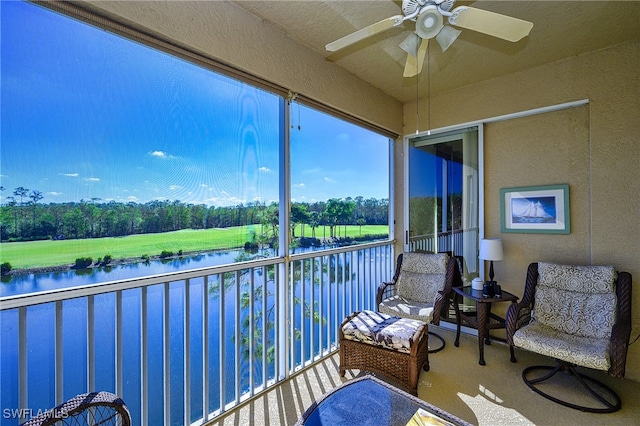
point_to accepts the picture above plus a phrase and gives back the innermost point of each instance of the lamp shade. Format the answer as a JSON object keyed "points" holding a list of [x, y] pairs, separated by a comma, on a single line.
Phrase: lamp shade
{"points": [[491, 249]]}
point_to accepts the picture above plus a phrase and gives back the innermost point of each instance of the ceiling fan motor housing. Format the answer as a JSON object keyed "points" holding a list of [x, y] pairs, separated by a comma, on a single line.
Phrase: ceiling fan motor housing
{"points": [[410, 7]]}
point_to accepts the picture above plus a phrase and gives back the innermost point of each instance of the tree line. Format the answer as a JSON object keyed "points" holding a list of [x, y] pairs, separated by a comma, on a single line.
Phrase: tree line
{"points": [[24, 217]]}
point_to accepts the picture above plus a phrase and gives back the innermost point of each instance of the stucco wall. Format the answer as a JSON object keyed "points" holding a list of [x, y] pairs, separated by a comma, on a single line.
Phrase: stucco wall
{"points": [[594, 148]]}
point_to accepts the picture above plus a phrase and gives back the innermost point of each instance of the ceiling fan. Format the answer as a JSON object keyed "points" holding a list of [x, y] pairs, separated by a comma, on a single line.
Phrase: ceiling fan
{"points": [[429, 16]]}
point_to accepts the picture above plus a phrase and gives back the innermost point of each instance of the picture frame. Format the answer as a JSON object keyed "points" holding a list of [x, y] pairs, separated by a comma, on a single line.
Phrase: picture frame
{"points": [[535, 209]]}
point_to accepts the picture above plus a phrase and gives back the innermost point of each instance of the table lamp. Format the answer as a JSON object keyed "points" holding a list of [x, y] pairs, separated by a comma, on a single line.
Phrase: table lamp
{"points": [[491, 249]]}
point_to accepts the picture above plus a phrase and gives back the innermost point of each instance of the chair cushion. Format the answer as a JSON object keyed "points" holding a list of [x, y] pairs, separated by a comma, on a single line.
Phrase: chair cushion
{"points": [[581, 314], [396, 305], [576, 300], [583, 351], [383, 330], [585, 279], [425, 263], [421, 276]]}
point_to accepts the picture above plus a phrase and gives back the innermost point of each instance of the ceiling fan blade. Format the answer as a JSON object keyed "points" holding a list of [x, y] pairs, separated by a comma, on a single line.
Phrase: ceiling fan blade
{"points": [[491, 23], [413, 66], [363, 33]]}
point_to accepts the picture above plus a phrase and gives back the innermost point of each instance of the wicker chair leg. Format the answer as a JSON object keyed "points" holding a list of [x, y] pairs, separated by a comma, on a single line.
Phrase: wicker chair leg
{"points": [[513, 354]]}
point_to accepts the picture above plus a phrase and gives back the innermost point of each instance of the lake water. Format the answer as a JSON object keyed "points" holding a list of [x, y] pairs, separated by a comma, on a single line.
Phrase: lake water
{"points": [[41, 328], [30, 283]]}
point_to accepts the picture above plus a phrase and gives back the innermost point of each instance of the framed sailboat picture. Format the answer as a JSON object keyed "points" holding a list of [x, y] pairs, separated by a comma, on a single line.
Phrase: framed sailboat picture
{"points": [[535, 209]]}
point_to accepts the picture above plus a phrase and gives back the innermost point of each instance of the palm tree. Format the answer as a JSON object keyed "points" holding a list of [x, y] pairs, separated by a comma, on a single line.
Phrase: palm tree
{"points": [[35, 196], [21, 192]]}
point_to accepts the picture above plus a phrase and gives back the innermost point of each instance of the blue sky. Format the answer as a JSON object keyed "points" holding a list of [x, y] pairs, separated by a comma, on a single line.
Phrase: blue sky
{"points": [[86, 114]]}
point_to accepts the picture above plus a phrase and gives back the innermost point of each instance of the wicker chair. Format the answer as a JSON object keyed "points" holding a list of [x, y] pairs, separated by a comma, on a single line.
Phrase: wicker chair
{"points": [[422, 288], [581, 317], [96, 408]]}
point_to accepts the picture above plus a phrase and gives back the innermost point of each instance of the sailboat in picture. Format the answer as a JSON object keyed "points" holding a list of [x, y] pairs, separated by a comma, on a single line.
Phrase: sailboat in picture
{"points": [[536, 210]]}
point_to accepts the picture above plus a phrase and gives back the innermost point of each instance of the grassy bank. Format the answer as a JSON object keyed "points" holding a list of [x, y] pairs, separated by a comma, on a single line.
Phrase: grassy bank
{"points": [[38, 254]]}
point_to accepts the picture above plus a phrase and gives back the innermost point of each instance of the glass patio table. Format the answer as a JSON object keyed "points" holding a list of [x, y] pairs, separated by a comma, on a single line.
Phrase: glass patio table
{"points": [[368, 401]]}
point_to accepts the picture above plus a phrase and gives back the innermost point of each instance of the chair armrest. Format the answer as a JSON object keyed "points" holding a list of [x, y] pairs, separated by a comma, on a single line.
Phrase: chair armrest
{"points": [[445, 297], [622, 328], [519, 314], [385, 288], [443, 300]]}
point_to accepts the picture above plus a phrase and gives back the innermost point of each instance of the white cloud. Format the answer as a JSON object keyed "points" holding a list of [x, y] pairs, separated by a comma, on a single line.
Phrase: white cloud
{"points": [[329, 180], [174, 187], [264, 169], [54, 193], [298, 185], [69, 174], [160, 154], [93, 179]]}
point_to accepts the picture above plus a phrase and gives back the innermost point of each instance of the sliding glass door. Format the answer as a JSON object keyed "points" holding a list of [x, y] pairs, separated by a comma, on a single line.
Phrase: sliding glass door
{"points": [[443, 197]]}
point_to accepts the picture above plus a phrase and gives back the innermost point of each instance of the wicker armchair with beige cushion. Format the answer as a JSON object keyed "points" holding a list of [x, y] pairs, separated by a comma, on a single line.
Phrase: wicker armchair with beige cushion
{"points": [[581, 317], [421, 288]]}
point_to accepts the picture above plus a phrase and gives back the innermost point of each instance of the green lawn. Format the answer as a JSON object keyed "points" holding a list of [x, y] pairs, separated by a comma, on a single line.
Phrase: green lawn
{"points": [[352, 231], [35, 254]]}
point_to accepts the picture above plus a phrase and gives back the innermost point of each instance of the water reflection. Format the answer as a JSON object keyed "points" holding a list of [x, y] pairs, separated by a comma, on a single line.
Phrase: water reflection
{"points": [[29, 283]]}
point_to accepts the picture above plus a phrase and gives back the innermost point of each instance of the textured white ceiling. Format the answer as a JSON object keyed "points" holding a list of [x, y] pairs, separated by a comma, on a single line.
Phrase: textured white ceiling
{"points": [[561, 29]]}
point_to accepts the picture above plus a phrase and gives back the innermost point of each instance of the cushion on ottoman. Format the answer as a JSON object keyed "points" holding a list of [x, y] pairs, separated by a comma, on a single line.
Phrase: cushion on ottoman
{"points": [[383, 330]]}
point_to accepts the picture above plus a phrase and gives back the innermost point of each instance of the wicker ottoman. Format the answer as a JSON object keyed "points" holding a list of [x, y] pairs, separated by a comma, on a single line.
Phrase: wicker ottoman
{"points": [[387, 345]]}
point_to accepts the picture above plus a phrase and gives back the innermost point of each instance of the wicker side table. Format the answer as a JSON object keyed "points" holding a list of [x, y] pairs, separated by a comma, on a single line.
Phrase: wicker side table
{"points": [[374, 357]]}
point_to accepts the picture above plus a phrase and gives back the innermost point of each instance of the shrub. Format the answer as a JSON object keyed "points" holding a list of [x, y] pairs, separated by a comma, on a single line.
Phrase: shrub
{"points": [[107, 259], [306, 242], [166, 253], [5, 268], [249, 246], [83, 262]]}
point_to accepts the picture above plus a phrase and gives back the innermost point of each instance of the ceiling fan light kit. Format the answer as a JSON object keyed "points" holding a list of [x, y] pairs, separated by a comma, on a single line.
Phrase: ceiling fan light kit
{"points": [[410, 44], [447, 36], [429, 22], [428, 16]]}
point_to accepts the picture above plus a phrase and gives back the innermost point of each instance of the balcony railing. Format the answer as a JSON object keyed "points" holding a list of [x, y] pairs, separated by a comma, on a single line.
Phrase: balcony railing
{"points": [[183, 348], [450, 241]]}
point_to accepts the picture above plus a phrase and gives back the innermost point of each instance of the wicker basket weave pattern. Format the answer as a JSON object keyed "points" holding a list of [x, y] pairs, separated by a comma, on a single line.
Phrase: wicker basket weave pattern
{"points": [[403, 368]]}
